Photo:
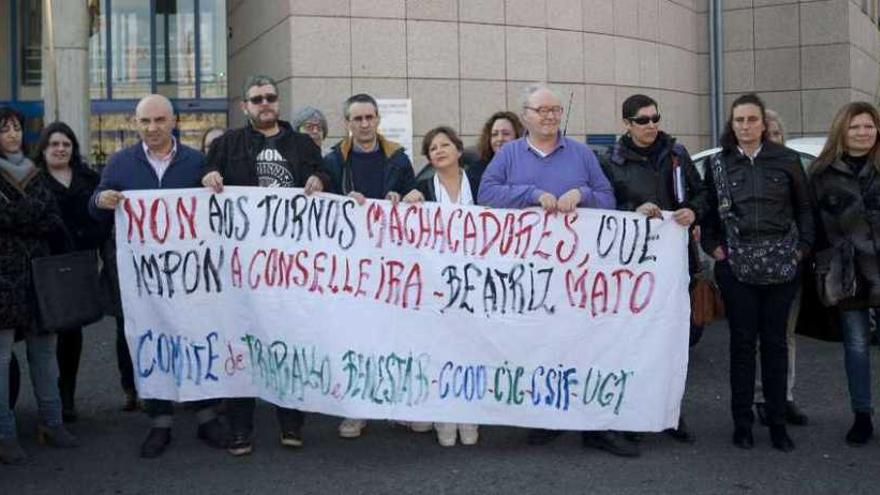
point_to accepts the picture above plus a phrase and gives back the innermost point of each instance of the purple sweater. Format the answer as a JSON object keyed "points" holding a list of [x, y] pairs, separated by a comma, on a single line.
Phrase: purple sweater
{"points": [[517, 176]]}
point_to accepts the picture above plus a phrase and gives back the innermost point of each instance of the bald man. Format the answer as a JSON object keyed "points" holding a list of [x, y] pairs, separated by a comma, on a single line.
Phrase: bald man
{"points": [[157, 161]]}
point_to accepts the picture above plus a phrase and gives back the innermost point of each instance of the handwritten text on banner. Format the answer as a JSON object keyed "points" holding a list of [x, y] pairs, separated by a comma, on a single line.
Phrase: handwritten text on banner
{"points": [[412, 312]]}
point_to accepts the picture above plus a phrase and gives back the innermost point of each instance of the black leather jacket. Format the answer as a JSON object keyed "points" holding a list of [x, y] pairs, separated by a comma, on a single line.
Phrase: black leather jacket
{"points": [[767, 194]]}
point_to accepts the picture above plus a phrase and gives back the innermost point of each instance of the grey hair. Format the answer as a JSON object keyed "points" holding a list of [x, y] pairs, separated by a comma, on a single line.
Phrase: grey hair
{"points": [[306, 114], [773, 116], [256, 80], [154, 97], [533, 88]]}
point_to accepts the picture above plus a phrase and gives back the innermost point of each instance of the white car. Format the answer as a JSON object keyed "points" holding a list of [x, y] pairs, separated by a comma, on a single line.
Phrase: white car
{"points": [[807, 147]]}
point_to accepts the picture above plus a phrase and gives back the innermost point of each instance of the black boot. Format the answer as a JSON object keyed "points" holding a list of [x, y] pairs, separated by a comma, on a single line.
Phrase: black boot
{"points": [[861, 431], [742, 437], [682, 433], [794, 416], [779, 438]]}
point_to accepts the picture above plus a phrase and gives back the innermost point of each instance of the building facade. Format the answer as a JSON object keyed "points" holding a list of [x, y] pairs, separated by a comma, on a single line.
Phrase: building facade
{"points": [[457, 60]]}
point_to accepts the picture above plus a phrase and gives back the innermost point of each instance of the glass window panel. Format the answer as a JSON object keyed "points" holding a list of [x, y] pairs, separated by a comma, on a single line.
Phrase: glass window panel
{"points": [[113, 131], [192, 126], [212, 20], [97, 49], [31, 35], [176, 48], [130, 41]]}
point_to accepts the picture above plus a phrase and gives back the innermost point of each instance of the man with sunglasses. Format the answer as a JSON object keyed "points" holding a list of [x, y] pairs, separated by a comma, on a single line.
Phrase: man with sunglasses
{"points": [[266, 152], [650, 172]]}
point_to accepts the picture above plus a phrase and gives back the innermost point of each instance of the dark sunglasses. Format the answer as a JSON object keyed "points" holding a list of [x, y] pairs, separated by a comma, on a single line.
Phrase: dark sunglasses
{"points": [[644, 119], [259, 99]]}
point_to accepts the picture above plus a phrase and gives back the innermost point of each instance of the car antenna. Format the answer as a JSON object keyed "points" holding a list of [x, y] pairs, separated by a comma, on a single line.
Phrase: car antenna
{"points": [[568, 114]]}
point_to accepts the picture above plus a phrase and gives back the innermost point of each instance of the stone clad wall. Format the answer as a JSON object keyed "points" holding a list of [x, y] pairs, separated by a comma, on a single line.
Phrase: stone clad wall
{"points": [[459, 61], [806, 58]]}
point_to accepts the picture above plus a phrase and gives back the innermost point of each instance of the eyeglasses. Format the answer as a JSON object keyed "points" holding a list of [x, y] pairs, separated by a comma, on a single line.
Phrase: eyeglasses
{"points": [[546, 111], [644, 119], [259, 99]]}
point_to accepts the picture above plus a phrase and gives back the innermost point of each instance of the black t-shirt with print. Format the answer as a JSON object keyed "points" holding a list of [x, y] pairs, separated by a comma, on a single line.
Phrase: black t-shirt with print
{"points": [[272, 169]]}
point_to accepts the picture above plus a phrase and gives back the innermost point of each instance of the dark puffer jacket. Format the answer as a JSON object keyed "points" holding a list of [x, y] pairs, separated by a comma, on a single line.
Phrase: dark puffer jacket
{"points": [[28, 219], [849, 210], [767, 195]]}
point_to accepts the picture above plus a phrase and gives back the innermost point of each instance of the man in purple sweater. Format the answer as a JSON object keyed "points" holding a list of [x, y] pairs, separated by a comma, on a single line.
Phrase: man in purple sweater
{"points": [[545, 168]]}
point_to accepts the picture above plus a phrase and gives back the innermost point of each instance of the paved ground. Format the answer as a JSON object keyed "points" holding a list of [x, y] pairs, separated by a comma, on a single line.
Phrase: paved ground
{"points": [[392, 459]]}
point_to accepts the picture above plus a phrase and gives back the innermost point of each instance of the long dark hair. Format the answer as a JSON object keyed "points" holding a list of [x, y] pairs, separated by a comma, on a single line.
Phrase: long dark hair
{"points": [[76, 161], [484, 146], [728, 138], [835, 146], [8, 114]]}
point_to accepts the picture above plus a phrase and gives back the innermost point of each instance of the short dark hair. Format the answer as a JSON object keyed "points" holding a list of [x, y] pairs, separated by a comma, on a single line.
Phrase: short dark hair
{"points": [[634, 103], [728, 137], [433, 133], [256, 80], [358, 98], [76, 160], [7, 114]]}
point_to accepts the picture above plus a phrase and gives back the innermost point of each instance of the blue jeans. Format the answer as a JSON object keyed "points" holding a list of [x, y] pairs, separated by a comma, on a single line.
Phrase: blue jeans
{"points": [[44, 378], [857, 357]]}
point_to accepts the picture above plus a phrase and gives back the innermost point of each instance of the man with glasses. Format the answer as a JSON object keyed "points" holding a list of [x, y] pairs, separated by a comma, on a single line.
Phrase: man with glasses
{"points": [[650, 172], [364, 166], [266, 152], [157, 161], [544, 168]]}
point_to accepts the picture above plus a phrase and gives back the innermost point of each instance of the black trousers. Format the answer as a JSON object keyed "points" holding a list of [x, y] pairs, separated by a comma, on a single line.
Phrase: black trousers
{"points": [[68, 352], [123, 358], [157, 407], [14, 381], [756, 312], [241, 416]]}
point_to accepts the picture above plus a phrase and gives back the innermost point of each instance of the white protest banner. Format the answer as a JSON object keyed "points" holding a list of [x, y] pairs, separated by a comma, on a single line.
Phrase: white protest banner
{"points": [[395, 122], [413, 312]]}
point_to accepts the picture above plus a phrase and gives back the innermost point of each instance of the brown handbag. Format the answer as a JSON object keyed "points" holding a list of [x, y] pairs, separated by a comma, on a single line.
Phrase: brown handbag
{"points": [[706, 303]]}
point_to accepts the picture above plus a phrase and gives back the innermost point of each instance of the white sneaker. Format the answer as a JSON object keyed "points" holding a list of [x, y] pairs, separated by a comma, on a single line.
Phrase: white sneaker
{"points": [[421, 426], [351, 428], [446, 433], [468, 434]]}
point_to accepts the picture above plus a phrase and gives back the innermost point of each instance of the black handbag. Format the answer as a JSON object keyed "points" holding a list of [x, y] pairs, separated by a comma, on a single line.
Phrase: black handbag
{"points": [[67, 289], [754, 261]]}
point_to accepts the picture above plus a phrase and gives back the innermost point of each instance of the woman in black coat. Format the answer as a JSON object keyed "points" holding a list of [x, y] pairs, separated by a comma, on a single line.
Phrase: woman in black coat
{"points": [[72, 183], [758, 203], [28, 219], [845, 183]]}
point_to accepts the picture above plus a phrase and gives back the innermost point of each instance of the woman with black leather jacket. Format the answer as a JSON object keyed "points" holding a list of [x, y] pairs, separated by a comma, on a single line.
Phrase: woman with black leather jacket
{"points": [[758, 226], [846, 189]]}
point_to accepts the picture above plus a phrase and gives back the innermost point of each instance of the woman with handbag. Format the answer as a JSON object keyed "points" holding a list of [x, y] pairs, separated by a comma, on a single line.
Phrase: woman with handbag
{"points": [[28, 218], [757, 227], [72, 184], [846, 189]]}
